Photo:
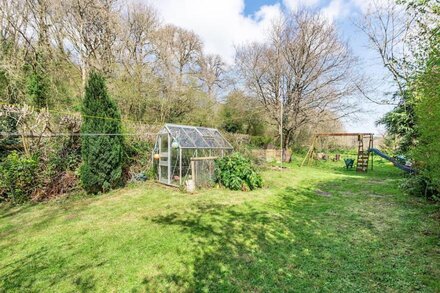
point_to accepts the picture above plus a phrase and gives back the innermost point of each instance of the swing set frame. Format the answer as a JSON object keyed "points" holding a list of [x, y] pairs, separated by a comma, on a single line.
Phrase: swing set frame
{"points": [[363, 156]]}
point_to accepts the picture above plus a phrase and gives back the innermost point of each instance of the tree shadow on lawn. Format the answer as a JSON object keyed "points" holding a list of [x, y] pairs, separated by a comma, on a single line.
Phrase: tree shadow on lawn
{"points": [[50, 213], [301, 242], [43, 269], [233, 247]]}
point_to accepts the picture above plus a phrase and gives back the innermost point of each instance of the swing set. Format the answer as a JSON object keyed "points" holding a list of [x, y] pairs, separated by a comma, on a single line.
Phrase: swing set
{"points": [[363, 155]]}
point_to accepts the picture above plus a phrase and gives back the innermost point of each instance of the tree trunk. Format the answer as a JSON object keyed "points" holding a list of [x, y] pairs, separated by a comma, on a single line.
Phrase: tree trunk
{"points": [[286, 143]]}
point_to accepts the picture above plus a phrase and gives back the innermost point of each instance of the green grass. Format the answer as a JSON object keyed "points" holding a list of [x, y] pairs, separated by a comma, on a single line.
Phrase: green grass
{"points": [[310, 229]]}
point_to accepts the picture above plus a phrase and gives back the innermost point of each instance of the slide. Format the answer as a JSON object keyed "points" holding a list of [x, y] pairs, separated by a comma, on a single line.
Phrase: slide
{"points": [[392, 160]]}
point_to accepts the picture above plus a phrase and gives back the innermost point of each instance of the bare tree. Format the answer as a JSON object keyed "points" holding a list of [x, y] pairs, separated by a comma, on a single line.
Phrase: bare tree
{"points": [[398, 34], [300, 73], [14, 16], [387, 28], [17, 44], [135, 82], [139, 25], [30, 123], [212, 71], [91, 28], [177, 52]]}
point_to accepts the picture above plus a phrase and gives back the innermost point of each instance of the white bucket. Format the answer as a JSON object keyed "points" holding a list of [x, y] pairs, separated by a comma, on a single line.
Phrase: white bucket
{"points": [[190, 186]]}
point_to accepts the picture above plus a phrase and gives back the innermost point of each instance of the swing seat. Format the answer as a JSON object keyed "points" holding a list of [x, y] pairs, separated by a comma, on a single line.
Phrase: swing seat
{"points": [[349, 163]]}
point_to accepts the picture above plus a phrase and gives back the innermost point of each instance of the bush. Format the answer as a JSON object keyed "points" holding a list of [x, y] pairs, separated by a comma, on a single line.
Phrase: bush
{"points": [[17, 177], [58, 163], [138, 158], [102, 155], [236, 172], [419, 185], [8, 124], [426, 153], [260, 141]]}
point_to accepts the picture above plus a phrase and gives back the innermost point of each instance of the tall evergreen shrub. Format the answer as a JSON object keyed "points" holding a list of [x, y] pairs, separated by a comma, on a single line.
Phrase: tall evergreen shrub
{"points": [[427, 152], [102, 144], [38, 85]]}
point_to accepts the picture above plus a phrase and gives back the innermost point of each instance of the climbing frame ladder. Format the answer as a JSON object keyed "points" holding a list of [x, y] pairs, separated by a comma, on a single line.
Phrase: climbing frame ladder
{"points": [[363, 155]]}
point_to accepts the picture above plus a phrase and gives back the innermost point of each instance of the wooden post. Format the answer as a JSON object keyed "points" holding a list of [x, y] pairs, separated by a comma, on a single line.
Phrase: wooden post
{"points": [[180, 165], [309, 152], [193, 170], [169, 159], [354, 134]]}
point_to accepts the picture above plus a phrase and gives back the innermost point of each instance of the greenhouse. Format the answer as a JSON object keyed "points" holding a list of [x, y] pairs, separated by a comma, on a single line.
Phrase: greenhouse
{"points": [[184, 153]]}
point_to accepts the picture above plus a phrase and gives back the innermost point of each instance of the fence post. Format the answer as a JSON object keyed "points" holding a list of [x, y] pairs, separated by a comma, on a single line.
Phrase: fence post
{"points": [[193, 170]]}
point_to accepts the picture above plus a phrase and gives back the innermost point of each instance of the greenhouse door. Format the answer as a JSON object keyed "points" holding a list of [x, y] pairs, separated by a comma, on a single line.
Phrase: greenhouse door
{"points": [[164, 161]]}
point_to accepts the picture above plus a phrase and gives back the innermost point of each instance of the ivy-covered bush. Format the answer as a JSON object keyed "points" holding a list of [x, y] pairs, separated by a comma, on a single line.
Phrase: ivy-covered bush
{"points": [[17, 177], [237, 172]]}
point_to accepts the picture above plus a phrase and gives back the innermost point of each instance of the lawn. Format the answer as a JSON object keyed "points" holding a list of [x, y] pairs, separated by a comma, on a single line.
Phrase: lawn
{"points": [[309, 229]]}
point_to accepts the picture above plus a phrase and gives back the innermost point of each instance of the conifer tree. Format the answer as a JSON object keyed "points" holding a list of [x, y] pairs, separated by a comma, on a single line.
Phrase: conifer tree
{"points": [[101, 141], [38, 88]]}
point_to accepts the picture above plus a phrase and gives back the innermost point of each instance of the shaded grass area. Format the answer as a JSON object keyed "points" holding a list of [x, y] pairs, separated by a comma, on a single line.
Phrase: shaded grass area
{"points": [[310, 229]]}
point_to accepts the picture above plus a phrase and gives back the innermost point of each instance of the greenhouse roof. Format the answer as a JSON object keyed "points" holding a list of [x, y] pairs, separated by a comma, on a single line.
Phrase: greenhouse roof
{"points": [[193, 137]]}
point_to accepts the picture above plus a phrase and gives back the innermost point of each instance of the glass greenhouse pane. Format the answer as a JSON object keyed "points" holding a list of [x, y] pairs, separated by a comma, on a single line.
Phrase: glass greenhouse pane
{"points": [[220, 143], [164, 143], [211, 142], [220, 140], [204, 131], [175, 166], [180, 135], [163, 175], [196, 138]]}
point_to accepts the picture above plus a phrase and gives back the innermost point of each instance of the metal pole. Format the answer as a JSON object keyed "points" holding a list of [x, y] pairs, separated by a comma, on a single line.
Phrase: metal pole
{"points": [[158, 164]]}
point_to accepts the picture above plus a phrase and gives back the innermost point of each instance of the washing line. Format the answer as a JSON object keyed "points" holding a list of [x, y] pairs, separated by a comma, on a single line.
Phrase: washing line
{"points": [[31, 135], [74, 113]]}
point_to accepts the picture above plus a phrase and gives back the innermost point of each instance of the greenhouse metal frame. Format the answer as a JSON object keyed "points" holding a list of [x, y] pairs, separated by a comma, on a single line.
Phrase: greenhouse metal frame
{"points": [[177, 146]]}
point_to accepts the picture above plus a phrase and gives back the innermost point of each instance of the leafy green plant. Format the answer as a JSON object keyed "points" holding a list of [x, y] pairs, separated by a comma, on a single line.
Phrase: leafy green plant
{"points": [[38, 85], [260, 141], [426, 154], [138, 157], [420, 185], [237, 172], [17, 177], [7, 144]]}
